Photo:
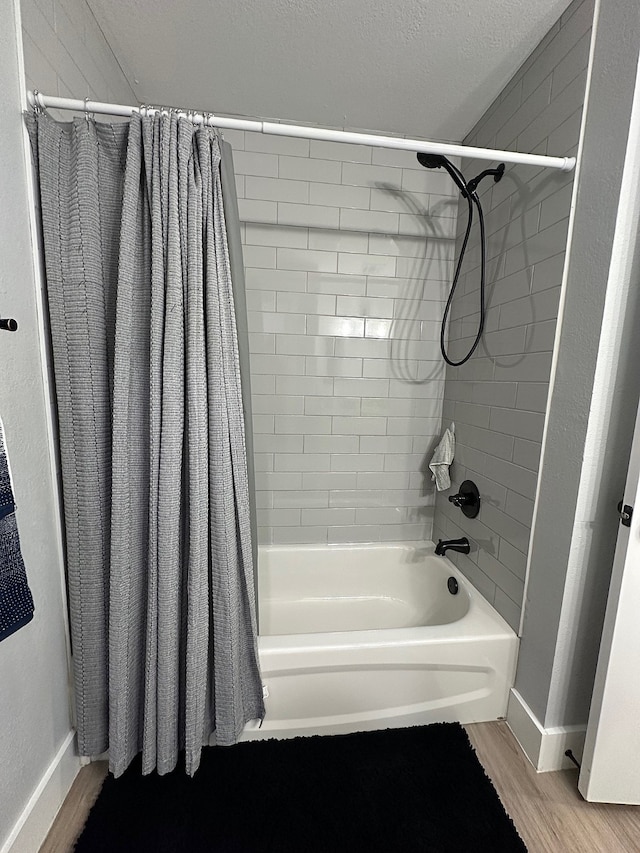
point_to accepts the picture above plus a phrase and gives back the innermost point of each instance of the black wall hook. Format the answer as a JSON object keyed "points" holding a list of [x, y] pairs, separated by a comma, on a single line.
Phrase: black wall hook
{"points": [[9, 324]]}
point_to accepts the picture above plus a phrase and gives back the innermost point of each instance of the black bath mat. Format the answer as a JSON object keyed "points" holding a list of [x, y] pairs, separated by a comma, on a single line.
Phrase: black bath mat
{"points": [[397, 791]]}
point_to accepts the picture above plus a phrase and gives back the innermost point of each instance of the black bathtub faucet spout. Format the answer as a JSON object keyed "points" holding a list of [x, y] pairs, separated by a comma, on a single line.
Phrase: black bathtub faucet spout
{"points": [[460, 545]]}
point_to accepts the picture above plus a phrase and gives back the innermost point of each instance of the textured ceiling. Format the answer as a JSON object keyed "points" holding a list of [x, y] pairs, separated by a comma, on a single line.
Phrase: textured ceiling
{"points": [[417, 67]]}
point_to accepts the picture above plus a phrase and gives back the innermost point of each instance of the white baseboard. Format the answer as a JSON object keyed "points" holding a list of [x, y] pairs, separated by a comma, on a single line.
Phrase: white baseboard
{"points": [[544, 748], [34, 823]]}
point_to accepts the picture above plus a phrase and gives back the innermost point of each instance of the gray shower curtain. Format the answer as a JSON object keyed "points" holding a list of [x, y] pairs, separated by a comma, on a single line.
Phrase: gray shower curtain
{"points": [[152, 436]]}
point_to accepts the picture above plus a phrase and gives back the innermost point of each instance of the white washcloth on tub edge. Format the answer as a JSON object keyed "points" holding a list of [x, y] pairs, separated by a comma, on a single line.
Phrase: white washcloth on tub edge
{"points": [[442, 459]]}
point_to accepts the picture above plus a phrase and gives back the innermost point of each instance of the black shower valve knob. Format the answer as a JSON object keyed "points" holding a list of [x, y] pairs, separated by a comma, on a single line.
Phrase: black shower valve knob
{"points": [[461, 500], [467, 499]]}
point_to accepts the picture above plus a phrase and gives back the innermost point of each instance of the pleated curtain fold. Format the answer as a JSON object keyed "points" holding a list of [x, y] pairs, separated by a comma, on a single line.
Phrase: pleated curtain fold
{"points": [[152, 436]]}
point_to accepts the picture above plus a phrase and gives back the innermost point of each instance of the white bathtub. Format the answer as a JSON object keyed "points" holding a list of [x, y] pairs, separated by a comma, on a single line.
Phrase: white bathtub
{"points": [[356, 637]]}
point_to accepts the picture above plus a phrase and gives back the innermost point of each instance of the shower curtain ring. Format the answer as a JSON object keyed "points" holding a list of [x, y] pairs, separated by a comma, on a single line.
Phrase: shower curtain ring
{"points": [[86, 110], [38, 102]]}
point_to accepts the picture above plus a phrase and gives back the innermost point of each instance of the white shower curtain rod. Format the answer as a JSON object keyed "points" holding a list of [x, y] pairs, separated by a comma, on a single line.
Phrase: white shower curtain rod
{"points": [[565, 164]]}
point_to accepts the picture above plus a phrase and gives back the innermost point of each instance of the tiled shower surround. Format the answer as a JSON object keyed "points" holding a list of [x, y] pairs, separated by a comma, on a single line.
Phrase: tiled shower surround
{"points": [[349, 255], [498, 399], [348, 251]]}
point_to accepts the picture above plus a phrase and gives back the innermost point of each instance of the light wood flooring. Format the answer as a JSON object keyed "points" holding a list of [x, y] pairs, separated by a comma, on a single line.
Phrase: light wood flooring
{"points": [[547, 808], [73, 814]]}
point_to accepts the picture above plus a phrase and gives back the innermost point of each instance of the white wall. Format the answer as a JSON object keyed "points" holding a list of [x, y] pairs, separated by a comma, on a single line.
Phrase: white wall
{"points": [[34, 699], [349, 252]]}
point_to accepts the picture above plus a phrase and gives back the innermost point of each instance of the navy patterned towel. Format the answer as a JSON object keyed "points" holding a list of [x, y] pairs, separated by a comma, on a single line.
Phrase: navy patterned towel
{"points": [[16, 601]]}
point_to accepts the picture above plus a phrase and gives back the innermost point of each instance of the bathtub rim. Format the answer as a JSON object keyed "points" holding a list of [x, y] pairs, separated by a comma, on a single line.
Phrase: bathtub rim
{"points": [[481, 619]]}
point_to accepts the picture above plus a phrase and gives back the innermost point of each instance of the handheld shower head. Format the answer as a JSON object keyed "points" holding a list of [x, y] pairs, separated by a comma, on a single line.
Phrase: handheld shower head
{"points": [[468, 192], [430, 161], [435, 161]]}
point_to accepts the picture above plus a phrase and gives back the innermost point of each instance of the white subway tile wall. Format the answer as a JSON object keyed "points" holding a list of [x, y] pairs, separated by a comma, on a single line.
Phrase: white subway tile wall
{"points": [[347, 379], [66, 54], [498, 398]]}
